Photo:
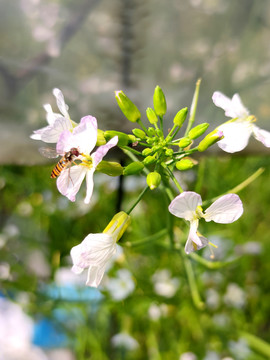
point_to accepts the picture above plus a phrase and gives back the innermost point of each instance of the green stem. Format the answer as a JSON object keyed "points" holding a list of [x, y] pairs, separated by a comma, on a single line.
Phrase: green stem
{"points": [[239, 187], [213, 265], [161, 122], [146, 240], [193, 107], [172, 177], [142, 126], [138, 200], [256, 344], [172, 131], [126, 148]]}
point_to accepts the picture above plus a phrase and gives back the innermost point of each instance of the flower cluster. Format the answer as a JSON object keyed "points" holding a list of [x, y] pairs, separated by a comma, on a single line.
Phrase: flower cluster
{"points": [[155, 153]]}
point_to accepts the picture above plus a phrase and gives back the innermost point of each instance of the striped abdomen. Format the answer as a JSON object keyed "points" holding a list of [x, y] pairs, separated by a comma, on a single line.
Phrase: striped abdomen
{"points": [[61, 165]]}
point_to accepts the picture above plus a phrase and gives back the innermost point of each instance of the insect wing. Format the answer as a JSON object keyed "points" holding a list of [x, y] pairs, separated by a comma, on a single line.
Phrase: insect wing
{"points": [[48, 152]]}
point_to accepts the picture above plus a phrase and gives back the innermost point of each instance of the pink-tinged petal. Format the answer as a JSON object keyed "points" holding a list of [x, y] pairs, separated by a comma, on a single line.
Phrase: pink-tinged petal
{"points": [[195, 240], [102, 150], [84, 136], [89, 185], [61, 102], [70, 180], [225, 210], [64, 143], [95, 275], [236, 136], [261, 135], [185, 205], [51, 133], [239, 109]]}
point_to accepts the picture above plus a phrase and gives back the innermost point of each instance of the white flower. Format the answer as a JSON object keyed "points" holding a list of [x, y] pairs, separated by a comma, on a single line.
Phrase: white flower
{"points": [[235, 296], [238, 130], [121, 286], [225, 210], [240, 349], [164, 284], [83, 138], [95, 251], [124, 340], [57, 122], [188, 356]]}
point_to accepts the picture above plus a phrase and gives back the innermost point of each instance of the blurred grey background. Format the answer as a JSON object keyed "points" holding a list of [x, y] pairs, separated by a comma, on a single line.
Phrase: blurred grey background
{"points": [[89, 48]]}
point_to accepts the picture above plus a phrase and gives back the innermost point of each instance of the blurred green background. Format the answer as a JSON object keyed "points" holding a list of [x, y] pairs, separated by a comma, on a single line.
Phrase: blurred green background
{"points": [[88, 49]]}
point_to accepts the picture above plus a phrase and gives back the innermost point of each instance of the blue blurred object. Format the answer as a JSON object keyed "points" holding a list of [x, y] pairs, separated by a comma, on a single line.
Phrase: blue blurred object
{"points": [[48, 335]]}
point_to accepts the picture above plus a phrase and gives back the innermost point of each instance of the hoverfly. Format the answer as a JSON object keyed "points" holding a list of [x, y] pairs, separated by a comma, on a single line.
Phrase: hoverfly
{"points": [[66, 160]]}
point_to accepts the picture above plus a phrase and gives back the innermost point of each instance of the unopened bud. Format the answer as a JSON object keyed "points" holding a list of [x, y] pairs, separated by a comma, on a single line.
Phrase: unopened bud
{"points": [[151, 115], [129, 109], [159, 101], [149, 160], [151, 131], [169, 152], [210, 139], [184, 164], [133, 168], [110, 168], [184, 142], [198, 131], [123, 139], [153, 180], [146, 151], [100, 138], [132, 138], [180, 117], [139, 133]]}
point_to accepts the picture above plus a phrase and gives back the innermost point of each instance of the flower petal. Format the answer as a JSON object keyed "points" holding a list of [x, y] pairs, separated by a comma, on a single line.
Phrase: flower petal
{"points": [[95, 275], [89, 185], [51, 133], [195, 240], [51, 116], [61, 102], [102, 150], [233, 107], [240, 110], [225, 210], [262, 135], [236, 136], [70, 180], [185, 205]]}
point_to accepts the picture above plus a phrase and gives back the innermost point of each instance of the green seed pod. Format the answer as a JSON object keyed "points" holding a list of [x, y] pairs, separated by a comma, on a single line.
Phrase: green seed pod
{"points": [[210, 139], [184, 142], [149, 160], [129, 109], [139, 133], [151, 115], [110, 168], [180, 117], [133, 168], [132, 138], [123, 139], [153, 180], [146, 151], [184, 164], [198, 131], [159, 101]]}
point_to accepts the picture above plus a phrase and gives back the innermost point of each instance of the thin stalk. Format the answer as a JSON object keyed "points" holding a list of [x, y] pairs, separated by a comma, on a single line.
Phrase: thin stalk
{"points": [[131, 150], [193, 107], [146, 240], [173, 177], [137, 200], [213, 265]]}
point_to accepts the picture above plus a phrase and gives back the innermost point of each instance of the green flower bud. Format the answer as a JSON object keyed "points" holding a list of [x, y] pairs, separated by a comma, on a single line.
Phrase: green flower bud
{"points": [[132, 138], [110, 168], [184, 164], [159, 101], [151, 131], [210, 139], [149, 141], [159, 133], [151, 115], [133, 168], [149, 160], [123, 139], [184, 142], [153, 180], [129, 109], [180, 117], [198, 131], [169, 152], [146, 151], [139, 133], [100, 138]]}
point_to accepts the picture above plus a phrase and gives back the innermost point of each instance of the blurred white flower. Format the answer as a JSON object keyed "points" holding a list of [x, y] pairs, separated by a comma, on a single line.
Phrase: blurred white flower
{"points": [[16, 329], [4, 271], [121, 286], [164, 284], [124, 340], [155, 312], [250, 248], [221, 320], [188, 356], [239, 349], [212, 299], [235, 296], [211, 355]]}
